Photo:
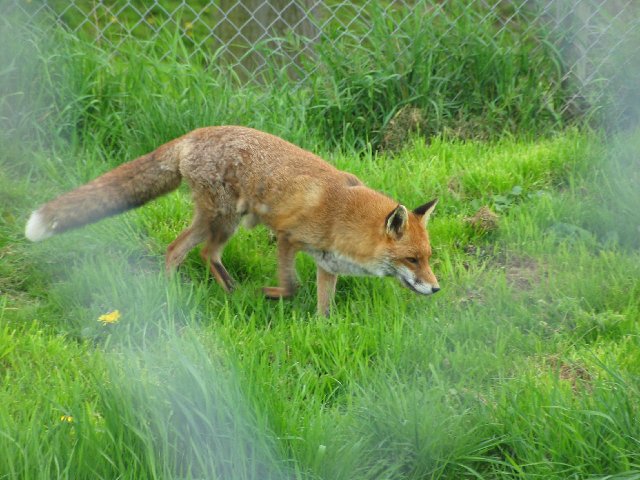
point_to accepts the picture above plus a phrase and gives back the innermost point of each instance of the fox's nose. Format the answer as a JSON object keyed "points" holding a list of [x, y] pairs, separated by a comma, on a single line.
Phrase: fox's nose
{"points": [[435, 289]]}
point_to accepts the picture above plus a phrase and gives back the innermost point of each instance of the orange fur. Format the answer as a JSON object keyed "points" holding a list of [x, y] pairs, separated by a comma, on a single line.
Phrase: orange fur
{"points": [[237, 172]]}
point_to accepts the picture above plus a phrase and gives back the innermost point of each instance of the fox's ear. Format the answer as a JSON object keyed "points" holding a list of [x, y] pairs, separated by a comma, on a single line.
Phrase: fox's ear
{"points": [[397, 221], [424, 211]]}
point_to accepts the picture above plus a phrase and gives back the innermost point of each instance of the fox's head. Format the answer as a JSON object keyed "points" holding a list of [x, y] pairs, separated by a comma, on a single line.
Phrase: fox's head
{"points": [[409, 250]]}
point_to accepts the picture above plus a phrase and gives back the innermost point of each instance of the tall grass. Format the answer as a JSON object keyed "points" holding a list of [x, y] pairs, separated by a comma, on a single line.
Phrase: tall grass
{"points": [[462, 75]]}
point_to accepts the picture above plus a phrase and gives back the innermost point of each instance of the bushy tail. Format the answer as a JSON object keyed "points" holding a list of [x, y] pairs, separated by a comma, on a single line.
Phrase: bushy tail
{"points": [[128, 186]]}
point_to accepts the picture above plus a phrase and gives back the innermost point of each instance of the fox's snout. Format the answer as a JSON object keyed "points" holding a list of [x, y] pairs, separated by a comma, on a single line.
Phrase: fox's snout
{"points": [[429, 290], [414, 283]]}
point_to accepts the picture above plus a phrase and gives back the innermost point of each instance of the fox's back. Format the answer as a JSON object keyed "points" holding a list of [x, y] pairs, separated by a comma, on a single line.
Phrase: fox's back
{"points": [[269, 177]]}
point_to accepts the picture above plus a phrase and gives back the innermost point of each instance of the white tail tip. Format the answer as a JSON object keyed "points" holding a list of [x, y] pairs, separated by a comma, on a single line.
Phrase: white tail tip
{"points": [[37, 229]]}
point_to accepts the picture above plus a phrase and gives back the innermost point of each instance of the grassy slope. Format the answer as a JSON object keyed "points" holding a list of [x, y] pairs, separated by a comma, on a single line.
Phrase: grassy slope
{"points": [[525, 365]]}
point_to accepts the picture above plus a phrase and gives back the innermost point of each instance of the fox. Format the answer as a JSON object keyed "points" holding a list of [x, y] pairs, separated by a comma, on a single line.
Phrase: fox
{"points": [[239, 175]]}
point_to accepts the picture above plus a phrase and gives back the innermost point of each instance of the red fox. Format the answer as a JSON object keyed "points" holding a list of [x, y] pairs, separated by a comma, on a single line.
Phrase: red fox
{"points": [[238, 173]]}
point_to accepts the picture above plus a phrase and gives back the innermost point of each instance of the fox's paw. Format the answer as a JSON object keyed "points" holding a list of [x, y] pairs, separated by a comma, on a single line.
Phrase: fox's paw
{"points": [[275, 293]]}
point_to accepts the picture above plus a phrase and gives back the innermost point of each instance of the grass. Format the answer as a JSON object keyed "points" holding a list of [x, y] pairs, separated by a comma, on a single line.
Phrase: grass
{"points": [[526, 365], [453, 67]]}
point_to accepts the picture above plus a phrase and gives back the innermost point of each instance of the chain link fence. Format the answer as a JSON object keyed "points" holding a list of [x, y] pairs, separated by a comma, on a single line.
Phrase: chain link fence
{"points": [[247, 35]]}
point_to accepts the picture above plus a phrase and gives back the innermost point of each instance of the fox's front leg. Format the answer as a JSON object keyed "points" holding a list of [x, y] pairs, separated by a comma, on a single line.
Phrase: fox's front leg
{"points": [[286, 270], [326, 287]]}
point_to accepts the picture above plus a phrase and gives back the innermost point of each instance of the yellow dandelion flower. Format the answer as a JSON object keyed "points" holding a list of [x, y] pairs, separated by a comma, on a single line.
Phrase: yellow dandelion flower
{"points": [[111, 317], [66, 418]]}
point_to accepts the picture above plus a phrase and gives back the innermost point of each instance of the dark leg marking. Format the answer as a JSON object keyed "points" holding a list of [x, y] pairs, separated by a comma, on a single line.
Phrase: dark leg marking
{"points": [[223, 275]]}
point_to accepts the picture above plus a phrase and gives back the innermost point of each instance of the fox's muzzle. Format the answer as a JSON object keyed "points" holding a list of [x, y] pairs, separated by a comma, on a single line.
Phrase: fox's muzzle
{"points": [[420, 287]]}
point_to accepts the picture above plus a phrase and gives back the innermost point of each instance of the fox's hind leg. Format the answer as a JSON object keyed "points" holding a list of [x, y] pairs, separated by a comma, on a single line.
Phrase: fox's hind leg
{"points": [[185, 242], [215, 220], [219, 233], [286, 270]]}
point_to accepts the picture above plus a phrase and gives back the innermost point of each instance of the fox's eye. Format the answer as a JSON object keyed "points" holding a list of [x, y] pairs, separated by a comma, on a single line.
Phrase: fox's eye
{"points": [[412, 260]]}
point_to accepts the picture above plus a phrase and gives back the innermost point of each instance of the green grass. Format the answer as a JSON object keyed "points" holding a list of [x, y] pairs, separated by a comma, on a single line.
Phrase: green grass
{"points": [[456, 70], [526, 365]]}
